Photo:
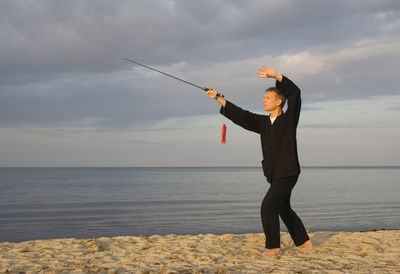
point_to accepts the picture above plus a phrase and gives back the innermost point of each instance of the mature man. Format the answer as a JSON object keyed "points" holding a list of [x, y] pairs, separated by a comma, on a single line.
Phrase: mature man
{"points": [[279, 148]]}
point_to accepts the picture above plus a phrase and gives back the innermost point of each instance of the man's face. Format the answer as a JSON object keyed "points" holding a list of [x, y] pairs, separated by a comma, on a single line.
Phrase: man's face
{"points": [[271, 101]]}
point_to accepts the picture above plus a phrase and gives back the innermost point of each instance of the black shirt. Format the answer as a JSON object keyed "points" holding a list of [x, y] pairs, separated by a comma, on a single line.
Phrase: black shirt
{"points": [[278, 140]]}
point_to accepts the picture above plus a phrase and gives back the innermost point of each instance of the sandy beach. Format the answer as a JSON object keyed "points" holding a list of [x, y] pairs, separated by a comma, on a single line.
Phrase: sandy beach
{"points": [[333, 252]]}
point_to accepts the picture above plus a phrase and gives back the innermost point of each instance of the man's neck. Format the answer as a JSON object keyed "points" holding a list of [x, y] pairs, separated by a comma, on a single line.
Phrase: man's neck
{"points": [[275, 112]]}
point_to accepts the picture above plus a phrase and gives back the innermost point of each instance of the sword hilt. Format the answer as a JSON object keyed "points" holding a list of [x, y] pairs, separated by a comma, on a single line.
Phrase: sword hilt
{"points": [[218, 94]]}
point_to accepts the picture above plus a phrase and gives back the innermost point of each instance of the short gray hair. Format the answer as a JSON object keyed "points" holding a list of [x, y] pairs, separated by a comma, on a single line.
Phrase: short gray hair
{"points": [[279, 94]]}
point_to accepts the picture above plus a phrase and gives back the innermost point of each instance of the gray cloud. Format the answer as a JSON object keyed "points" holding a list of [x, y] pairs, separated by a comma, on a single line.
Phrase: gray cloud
{"points": [[395, 108], [91, 36]]}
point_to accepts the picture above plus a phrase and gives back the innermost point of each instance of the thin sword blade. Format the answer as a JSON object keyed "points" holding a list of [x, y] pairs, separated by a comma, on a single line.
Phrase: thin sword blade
{"points": [[166, 74]]}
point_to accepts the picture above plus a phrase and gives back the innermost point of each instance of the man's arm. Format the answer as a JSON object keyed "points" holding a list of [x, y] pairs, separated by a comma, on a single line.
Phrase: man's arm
{"points": [[288, 88], [292, 93], [243, 118]]}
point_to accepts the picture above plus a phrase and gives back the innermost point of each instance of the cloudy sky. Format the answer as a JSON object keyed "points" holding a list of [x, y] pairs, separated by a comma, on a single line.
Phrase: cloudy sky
{"points": [[67, 98]]}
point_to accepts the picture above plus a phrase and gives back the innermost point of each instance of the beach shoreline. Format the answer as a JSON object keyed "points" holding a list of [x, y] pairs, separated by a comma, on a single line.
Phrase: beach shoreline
{"points": [[333, 252]]}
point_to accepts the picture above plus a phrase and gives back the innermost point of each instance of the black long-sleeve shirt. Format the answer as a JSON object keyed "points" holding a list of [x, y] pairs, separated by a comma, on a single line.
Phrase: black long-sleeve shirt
{"points": [[278, 140]]}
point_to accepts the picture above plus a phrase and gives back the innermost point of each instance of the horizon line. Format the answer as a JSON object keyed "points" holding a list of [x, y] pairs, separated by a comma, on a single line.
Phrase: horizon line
{"points": [[306, 166]]}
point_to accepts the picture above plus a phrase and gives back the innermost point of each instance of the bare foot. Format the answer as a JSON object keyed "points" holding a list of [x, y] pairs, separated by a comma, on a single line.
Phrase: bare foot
{"points": [[307, 244], [271, 252]]}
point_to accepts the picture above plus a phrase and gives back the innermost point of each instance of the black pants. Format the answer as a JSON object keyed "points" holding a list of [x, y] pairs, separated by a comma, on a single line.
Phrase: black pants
{"points": [[277, 203]]}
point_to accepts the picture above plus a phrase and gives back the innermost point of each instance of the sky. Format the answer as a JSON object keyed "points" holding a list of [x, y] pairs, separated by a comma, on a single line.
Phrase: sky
{"points": [[67, 97]]}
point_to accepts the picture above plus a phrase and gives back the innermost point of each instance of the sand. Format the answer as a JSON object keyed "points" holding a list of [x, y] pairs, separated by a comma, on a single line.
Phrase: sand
{"points": [[333, 252]]}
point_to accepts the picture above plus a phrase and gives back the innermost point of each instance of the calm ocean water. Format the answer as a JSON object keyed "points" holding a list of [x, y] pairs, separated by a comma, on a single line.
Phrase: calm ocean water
{"points": [[42, 203]]}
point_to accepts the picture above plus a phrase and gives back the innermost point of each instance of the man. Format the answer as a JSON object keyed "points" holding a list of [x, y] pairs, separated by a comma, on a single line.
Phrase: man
{"points": [[280, 161]]}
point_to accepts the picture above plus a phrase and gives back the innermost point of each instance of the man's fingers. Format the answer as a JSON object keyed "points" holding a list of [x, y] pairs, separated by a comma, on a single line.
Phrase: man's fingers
{"points": [[212, 92], [261, 73]]}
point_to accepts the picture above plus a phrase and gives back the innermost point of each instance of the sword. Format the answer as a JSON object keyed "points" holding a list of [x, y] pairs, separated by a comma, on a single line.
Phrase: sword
{"points": [[176, 78]]}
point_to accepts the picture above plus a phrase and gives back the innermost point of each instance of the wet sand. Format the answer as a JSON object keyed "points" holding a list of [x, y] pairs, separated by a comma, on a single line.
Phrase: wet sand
{"points": [[333, 252]]}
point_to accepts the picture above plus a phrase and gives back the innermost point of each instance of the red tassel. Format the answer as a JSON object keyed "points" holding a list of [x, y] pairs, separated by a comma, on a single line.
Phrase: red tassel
{"points": [[223, 139]]}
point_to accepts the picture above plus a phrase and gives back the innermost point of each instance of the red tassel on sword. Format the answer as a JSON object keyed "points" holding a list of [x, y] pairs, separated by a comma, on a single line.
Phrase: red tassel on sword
{"points": [[223, 139]]}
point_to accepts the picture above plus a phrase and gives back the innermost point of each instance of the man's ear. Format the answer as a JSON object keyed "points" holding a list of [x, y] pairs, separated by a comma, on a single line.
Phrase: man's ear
{"points": [[280, 102]]}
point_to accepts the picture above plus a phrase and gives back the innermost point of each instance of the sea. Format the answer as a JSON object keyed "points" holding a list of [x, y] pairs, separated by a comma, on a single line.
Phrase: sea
{"points": [[47, 203]]}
